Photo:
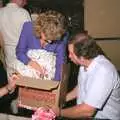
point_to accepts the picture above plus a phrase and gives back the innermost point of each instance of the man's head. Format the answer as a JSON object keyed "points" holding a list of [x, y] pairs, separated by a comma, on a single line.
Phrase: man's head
{"points": [[51, 24], [1, 3], [83, 48], [20, 3]]}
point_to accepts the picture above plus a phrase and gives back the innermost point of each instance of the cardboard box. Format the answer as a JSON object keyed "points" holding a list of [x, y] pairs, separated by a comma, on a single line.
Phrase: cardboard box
{"points": [[34, 93]]}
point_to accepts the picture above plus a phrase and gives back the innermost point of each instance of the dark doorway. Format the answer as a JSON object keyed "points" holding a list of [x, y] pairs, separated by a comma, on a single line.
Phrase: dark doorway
{"points": [[72, 9]]}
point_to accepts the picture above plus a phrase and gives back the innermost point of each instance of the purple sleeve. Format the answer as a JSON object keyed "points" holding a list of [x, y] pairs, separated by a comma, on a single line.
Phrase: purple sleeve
{"points": [[22, 46], [60, 59]]}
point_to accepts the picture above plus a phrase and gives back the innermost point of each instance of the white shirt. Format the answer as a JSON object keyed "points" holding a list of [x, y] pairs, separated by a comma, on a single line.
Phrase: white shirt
{"points": [[99, 87], [12, 18]]}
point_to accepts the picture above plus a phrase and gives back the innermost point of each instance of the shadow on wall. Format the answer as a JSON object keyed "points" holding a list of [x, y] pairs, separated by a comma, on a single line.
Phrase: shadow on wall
{"points": [[111, 49]]}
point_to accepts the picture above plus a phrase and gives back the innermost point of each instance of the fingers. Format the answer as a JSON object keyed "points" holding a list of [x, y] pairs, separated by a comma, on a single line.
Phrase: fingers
{"points": [[12, 81], [13, 77], [56, 110], [42, 70]]}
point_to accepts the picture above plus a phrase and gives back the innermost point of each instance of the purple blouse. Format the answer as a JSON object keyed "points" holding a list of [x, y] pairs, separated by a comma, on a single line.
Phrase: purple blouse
{"points": [[28, 41]]}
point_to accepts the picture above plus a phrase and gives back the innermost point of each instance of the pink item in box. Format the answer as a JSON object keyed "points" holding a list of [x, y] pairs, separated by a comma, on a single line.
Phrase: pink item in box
{"points": [[43, 114]]}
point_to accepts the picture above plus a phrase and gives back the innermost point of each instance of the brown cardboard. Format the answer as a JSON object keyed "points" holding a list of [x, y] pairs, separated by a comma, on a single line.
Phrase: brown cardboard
{"points": [[34, 93]]}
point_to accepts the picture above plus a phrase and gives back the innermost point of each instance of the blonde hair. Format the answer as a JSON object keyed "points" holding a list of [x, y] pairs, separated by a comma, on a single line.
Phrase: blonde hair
{"points": [[51, 23], [2, 53]]}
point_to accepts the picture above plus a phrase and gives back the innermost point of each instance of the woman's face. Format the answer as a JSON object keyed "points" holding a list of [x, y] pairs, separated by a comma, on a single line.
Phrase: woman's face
{"points": [[43, 38]]}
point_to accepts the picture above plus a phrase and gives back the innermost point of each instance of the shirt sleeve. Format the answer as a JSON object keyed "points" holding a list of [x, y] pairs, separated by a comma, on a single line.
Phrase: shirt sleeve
{"points": [[60, 59], [25, 15], [100, 88], [23, 43]]}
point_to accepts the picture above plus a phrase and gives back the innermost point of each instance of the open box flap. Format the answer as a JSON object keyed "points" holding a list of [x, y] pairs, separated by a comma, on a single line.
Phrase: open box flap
{"points": [[36, 83]]}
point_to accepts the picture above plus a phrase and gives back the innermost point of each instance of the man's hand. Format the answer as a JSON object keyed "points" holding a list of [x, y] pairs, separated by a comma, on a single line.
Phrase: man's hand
{"points": [[56, 110], [12, 83]]}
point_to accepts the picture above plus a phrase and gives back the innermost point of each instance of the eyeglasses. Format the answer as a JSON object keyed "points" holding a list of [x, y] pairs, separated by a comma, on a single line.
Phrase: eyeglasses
{"points": [[51, 41]]}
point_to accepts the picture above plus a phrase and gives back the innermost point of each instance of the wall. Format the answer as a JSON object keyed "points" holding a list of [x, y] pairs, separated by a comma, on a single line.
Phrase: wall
{"points": [[102, 17], [102, 20], [112, 49]]}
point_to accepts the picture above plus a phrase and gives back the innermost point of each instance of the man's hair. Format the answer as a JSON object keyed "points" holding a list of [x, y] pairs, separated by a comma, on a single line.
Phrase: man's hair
{"points": [[51, 23], [86, 46]]}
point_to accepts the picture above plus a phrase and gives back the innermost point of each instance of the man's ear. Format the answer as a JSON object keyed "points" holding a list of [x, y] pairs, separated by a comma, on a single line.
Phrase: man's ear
{"points": [[81, 59]]}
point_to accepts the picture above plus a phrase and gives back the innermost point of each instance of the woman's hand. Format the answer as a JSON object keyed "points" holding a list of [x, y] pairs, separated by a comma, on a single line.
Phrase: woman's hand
{"points": [[37, 67]]}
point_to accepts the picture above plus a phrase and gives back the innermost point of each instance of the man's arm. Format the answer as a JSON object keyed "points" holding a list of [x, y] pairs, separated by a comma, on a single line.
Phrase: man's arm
{"points": [[72, 94], [78, 111], [10, 87]]}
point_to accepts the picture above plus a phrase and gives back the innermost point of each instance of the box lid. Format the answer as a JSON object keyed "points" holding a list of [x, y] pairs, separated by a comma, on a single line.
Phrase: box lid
{"points": [[37, 83]]}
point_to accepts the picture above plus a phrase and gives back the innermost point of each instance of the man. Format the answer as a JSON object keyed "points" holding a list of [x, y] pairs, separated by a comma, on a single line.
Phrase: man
{"points": [[98, 89], [12, 18]]}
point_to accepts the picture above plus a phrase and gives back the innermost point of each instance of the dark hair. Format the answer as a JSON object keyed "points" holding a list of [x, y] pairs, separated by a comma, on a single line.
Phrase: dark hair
{"points": [[86, 46], [2, 52]]}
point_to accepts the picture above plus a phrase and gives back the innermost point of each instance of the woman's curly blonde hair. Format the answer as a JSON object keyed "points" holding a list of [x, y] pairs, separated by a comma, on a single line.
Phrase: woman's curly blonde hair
{"points": [[51, 23]]}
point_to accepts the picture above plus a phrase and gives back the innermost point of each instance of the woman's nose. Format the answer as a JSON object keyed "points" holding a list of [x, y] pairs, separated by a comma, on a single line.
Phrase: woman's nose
{"points": [[69, 55]]}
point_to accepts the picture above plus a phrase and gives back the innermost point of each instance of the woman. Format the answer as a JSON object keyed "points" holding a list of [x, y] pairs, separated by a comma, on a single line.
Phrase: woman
{"points": [[44, 34]]}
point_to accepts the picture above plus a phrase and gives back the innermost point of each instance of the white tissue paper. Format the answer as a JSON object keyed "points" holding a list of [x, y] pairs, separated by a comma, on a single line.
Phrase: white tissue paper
{"points": [[43, 58]]}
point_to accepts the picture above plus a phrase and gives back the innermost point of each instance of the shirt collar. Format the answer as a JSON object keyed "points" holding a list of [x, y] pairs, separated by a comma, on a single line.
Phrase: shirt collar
{"points": [[12, 5], [93, 63]]}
